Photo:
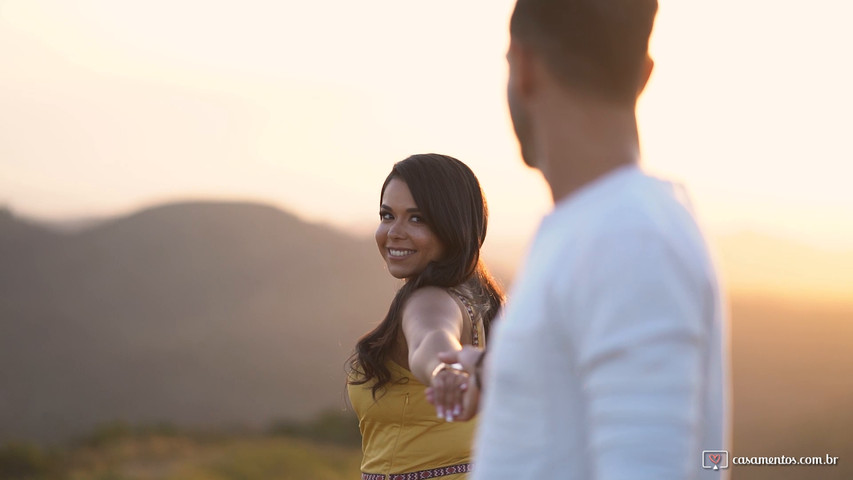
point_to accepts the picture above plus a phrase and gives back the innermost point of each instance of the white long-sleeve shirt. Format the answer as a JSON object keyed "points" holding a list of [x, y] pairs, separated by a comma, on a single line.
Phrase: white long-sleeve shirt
{"points": [[611, 359]]}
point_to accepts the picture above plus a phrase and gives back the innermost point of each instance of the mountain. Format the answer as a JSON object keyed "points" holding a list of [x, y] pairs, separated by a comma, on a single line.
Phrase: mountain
{"points": [[230, 314], [751, 264], [193, 313]]}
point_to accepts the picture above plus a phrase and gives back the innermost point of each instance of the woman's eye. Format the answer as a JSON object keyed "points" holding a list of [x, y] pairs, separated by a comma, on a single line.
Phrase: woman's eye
{"points": [[385, 216], [417, 219]]}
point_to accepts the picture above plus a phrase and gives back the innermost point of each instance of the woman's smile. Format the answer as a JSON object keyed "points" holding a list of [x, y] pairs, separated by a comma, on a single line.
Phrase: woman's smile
{"points": [[399, 254]]}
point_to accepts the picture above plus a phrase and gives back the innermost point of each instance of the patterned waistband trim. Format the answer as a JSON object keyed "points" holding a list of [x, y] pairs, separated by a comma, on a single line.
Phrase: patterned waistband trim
{"points": [[420, 475]]}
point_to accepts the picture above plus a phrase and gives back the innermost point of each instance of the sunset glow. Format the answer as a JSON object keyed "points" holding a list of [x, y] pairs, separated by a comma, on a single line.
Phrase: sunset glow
{"points": [[107, 106]]}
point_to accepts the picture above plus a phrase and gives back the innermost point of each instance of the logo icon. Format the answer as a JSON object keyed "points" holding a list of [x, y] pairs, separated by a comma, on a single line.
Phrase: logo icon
{"points": [[715, 459]]}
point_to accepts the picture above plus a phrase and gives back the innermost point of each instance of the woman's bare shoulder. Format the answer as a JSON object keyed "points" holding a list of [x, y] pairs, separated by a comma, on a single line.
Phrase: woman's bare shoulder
{"points": [[431, 302]]}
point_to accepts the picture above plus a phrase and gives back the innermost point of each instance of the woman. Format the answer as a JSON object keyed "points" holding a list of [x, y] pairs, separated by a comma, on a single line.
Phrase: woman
{"points": [[433, 221]]}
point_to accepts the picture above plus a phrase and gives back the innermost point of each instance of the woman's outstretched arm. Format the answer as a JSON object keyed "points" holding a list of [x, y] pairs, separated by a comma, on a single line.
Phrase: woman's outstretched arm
{"points": [[432, 323]]}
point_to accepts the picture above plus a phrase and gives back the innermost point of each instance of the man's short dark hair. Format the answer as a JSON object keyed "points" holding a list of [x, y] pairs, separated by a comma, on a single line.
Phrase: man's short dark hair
{"points": [[596, 46]]}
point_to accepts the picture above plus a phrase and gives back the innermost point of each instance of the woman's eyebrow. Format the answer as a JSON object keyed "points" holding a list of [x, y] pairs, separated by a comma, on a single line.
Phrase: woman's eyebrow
{"points": [[408, 210]]}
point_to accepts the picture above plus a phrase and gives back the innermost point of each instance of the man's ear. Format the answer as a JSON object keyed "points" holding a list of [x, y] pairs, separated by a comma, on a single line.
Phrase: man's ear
{"points": [[645, 74], [521, 68]]}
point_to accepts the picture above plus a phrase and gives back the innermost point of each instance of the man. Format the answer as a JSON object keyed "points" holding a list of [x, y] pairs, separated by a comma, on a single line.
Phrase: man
{"points": [[610, 361]]}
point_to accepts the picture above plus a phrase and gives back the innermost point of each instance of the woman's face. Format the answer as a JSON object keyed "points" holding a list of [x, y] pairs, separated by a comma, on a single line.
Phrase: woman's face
{"points": [[405, 241]]}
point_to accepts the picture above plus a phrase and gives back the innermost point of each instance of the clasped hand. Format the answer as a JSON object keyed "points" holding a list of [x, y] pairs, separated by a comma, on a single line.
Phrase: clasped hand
{"points": [[453, 389]]}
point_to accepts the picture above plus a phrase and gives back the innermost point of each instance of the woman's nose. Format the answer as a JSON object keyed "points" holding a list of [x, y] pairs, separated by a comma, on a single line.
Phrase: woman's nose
{"points": [[396, 231]]}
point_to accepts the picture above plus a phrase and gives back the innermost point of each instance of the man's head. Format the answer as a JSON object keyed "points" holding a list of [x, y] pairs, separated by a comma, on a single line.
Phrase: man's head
{"points": [[597, 49]]}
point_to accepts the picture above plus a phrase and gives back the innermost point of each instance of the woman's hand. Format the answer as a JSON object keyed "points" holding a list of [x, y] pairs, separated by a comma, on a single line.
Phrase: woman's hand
{"points": [[447, 387], [454, 391]]}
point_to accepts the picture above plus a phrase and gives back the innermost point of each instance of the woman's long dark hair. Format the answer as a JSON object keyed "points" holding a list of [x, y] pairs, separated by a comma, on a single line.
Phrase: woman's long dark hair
{"points": [[449, 196]]}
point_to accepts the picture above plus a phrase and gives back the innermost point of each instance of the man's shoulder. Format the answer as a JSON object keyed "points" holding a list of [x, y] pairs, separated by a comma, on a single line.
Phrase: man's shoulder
{"points": [[637, 204], [643, 222]]}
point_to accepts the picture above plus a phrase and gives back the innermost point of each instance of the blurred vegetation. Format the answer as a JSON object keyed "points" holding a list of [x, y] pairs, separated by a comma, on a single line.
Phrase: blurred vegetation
{"points": [[20, 460], [113, 432], [332, 426], [325, 447]]}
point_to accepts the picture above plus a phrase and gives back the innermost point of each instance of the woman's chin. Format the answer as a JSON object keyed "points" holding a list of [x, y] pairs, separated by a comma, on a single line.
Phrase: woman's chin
{"points": [[399, 276], [397, 272]]}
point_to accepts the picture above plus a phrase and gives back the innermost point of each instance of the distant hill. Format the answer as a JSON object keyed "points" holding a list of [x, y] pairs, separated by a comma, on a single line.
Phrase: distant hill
{"points": [[194, 313], [234, 314], [752, 263]]}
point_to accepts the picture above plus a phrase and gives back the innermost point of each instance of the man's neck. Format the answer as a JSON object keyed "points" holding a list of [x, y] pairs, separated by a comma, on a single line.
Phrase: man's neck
{"points": [[579, 148]]}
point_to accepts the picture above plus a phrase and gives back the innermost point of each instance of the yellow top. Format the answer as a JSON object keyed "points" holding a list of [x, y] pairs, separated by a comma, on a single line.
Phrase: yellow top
{"points": [[401, 432]]}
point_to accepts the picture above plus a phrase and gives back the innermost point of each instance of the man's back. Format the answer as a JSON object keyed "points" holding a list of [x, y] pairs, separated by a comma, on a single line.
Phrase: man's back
{"points": [[609, 362]]}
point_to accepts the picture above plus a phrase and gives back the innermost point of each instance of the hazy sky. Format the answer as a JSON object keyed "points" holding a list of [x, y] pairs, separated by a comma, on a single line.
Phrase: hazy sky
{"points": [[107, 106]]}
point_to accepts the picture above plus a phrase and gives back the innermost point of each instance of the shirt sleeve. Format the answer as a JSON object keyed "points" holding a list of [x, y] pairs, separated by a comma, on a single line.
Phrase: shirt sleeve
{"points": [[640, 340]]}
